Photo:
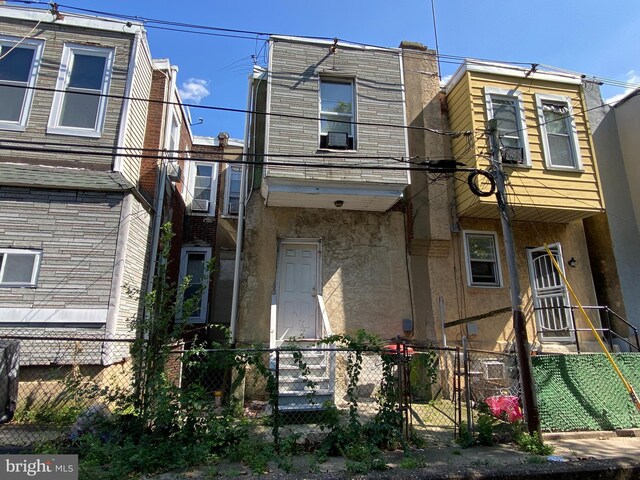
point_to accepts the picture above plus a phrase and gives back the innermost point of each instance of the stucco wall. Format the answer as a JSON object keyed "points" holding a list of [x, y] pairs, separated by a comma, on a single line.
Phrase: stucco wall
{"points": [[364, 267], [615, 240], [496, 333]]}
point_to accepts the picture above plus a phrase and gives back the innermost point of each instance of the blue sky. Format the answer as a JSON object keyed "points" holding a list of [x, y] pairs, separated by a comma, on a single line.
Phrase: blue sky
{"points": [[588, 36]]}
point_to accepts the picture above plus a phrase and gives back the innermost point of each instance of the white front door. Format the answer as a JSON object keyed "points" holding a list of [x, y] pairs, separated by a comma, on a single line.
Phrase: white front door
{"points": [[550, 296], [297, 305]]}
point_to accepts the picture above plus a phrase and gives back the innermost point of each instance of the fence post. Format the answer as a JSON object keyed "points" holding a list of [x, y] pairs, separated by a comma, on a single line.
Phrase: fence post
{"points": [[575, 330], [457, 387], [276, 405], [467, 383]]}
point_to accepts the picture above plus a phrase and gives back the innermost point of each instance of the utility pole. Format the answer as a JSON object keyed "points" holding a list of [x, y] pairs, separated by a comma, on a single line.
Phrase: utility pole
{"points": [[519, 327]]}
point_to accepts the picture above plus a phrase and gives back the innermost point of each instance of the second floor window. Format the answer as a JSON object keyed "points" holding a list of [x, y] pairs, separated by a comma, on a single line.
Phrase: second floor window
{"points": [[18, 71], [506, 107], [558, 131], [337, 109], [204, 188], [80, 101], [232, 200]]}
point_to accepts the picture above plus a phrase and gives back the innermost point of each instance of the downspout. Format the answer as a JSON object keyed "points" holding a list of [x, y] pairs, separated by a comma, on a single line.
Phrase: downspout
{"points": [[239, 236], [162, 179]]}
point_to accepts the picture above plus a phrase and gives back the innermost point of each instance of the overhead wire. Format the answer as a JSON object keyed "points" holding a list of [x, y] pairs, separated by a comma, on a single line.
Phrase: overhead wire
{"points": [[186, 27]]}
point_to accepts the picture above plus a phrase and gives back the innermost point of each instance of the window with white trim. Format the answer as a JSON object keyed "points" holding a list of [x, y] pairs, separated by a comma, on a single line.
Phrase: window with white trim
{"points": [[483, 262], [19, 267], [337, 108], [204, 188], [507, 108], [80, 103], [19, 62], [232, 190], [558, 132], [193, 263]]}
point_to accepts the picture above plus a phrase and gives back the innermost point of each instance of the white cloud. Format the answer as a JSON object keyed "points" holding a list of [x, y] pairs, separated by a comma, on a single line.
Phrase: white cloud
{"points": [[631, 78], [194, 89], [444, 80]]}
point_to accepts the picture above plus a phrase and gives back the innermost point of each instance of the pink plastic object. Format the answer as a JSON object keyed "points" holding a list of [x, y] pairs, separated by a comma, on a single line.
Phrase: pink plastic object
{"points": [[505, 404]]}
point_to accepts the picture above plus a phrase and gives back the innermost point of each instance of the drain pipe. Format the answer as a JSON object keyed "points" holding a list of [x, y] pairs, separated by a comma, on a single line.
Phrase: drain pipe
{"points": [[235, 299], [162, 180]]}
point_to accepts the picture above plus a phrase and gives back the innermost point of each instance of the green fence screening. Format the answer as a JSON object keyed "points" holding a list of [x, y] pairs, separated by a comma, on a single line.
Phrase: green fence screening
{"points": [[583, 392]]}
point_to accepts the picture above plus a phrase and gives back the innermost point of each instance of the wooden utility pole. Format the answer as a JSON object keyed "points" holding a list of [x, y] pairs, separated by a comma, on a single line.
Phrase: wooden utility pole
{"points": [[519, 327]]}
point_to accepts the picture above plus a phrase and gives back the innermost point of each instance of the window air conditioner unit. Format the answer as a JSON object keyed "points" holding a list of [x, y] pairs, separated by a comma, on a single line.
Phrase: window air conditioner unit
{"points": [[337, 140], [174, 172], [494, 370], [200, 205], [513, 155]]}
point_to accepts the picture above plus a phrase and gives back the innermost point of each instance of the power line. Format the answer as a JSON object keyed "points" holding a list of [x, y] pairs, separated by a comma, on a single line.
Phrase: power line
{"points": [[244, 34], [244, 111], [114, 150], [423, 166]]}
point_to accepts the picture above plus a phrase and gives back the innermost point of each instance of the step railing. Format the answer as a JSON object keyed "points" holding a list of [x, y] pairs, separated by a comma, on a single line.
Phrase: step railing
{"points": [[607, 332]]}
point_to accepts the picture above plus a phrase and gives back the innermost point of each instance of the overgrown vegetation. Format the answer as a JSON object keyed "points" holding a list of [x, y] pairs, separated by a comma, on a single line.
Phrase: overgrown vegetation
{"points": [[489, 430]]}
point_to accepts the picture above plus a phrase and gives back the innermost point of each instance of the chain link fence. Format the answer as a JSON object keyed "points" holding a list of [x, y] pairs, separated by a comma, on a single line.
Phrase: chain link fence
{"points": [[54, 384]]}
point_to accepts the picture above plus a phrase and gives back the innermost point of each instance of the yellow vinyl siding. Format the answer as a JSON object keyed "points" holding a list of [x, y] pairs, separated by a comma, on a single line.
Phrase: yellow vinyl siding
{"points": [[535, 191]]}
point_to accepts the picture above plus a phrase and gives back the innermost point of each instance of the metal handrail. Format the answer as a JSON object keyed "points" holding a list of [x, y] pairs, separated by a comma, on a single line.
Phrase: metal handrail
{"points": [[326, 326], [609, 332]]}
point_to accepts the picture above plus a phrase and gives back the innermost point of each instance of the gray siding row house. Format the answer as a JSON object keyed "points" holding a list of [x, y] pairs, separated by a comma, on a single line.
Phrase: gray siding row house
{"points": [[80, 210]]}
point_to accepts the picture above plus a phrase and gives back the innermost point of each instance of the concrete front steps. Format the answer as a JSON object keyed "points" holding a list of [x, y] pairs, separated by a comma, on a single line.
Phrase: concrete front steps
{"points": [[300, 392]]}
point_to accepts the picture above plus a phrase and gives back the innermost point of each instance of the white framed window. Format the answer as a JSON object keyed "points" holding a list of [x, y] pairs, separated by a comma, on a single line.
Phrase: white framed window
{"points": [[337, 103], [507, 107], [19, 63], [232, 190], [80, 102], [19, 267], [483, 261], [203, 188], [193, 263], [558, 132]]}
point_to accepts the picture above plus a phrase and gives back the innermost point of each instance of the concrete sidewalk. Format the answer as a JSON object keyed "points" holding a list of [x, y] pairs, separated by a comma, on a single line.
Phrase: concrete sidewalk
{"points": [[579, 456]]}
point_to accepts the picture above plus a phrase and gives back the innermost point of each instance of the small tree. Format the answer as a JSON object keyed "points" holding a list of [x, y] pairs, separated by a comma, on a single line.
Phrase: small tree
{"points": [[159, 329]]}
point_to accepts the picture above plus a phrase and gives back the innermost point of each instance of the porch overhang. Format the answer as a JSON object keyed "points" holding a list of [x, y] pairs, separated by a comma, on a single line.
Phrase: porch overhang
{"points": [[372, 197]]}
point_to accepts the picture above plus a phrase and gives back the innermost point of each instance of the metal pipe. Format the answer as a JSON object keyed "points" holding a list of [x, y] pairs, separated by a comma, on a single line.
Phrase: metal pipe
{"points": [[160, 184], [235, 296]]}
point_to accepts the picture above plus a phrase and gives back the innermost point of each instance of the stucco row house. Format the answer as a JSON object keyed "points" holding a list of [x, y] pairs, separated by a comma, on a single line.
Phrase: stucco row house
{"points": [[96, 154], [354, 210], [360, 214]]}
